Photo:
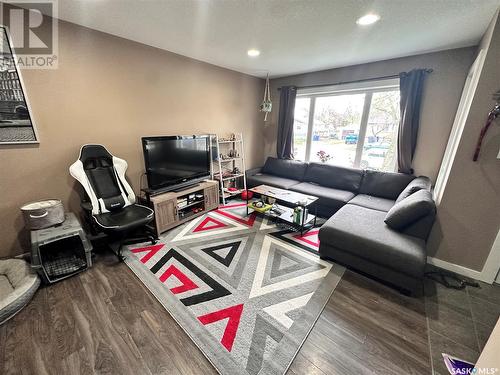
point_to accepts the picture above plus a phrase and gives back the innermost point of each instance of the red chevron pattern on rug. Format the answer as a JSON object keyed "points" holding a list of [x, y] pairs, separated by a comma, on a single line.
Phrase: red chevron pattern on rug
{"points": [[233, 315], [209, 223], [187, 283], [151, 251], [310, 238], [237, 211]]}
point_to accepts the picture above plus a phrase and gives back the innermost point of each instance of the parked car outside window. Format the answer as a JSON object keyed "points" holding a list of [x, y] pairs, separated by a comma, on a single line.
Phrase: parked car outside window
{"points": [[351, 139]]}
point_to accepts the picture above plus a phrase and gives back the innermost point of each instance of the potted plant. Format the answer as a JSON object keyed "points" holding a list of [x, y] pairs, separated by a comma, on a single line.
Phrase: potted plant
{"points": [[323, 156]]}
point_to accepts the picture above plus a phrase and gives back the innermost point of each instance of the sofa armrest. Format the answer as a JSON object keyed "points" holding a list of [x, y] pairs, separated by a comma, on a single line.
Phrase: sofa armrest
{"points": [[253, 171]]}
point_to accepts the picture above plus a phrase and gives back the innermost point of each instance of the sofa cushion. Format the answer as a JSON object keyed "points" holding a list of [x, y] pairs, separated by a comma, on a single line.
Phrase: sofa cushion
{"points": [[291, 169], [361, 231], [334, 176], [267, 179], [420, 183], [384, 184], [369, 201], [410, 209], [334, 198]]}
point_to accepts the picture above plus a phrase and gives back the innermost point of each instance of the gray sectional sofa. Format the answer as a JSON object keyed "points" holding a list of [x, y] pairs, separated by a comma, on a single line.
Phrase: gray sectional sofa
{"points": [[378, 222]]}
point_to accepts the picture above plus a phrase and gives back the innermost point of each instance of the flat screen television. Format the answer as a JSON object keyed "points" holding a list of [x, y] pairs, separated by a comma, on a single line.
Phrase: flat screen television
{"points": [[173, 162]]}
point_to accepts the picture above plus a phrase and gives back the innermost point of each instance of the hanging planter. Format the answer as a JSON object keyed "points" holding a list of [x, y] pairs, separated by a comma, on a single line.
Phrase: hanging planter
{"points": [[266, 105]]}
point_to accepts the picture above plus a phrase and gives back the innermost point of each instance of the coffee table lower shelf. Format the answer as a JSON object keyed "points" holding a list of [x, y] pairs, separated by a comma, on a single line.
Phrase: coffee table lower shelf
{"points": [[286, 218]]}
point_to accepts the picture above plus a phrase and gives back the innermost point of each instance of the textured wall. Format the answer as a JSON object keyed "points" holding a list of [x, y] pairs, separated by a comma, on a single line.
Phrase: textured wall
{"points": [[113, 91]]}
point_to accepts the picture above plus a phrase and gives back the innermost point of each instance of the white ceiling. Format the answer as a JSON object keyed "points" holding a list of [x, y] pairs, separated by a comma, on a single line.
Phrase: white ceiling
{"points": [[294, 36]]}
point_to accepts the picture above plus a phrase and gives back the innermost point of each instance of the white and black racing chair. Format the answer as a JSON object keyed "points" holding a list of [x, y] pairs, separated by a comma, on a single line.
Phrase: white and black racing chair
{"points": [[110, 201]]}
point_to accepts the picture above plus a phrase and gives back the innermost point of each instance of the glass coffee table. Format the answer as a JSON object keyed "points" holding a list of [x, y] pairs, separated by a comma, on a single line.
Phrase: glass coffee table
{"points": [[280, 205]]}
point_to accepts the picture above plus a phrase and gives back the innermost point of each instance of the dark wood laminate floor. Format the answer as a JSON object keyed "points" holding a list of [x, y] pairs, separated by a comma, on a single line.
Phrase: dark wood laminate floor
{"points": [[105, 321]]}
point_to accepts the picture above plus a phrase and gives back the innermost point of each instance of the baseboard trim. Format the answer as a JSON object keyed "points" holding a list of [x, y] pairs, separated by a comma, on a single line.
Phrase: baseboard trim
{"points": [[461, 270]]}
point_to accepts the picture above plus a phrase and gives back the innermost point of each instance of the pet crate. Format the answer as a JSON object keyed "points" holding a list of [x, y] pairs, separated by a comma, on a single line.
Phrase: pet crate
{"points": [[60, 251]]}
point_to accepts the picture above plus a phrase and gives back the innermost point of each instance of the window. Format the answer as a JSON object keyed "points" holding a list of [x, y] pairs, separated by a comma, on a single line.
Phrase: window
{"points": [[302, 106], [349, 125]]}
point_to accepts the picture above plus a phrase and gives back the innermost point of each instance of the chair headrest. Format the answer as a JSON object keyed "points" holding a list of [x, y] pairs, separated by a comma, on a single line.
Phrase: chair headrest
{"points": [[94, 152]]}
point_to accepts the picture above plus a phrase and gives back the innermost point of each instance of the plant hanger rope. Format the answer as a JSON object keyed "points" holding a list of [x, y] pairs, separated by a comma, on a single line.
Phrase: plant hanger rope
{"points": [[267, 104]]}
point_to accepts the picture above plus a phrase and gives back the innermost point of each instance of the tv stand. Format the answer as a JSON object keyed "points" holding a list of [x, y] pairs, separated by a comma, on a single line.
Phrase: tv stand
{"points": [[177, 189], [180, 190], [177, 207]]}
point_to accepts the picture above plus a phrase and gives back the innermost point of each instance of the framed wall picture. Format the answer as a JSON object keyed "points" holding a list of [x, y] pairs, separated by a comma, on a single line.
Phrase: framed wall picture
{"points": [[16, 122]]}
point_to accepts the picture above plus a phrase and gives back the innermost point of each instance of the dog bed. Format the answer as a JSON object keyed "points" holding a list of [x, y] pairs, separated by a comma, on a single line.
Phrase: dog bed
{"points": [[18, 284]]}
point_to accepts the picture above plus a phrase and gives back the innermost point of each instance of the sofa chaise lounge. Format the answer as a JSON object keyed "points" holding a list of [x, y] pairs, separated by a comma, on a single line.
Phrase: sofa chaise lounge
{"points": [[378, 222]]}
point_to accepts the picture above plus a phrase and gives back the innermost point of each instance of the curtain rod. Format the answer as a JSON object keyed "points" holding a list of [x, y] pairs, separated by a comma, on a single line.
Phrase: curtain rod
{"points": [[356, 81]]}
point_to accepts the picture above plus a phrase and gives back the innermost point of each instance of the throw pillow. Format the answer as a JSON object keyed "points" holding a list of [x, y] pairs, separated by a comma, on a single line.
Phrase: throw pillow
{"points": [[420, 183], [410, 209]]}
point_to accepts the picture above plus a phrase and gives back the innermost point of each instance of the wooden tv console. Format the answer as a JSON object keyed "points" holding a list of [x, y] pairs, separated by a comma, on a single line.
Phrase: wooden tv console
{"points": [[169, 212]]}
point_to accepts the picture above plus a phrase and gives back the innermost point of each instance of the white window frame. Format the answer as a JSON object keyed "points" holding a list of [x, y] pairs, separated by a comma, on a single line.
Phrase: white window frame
{"points": [[368, 88], [458, 126]]}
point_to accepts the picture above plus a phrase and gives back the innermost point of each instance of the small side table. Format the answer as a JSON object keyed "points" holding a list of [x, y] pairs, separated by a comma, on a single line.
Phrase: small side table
{"points": [[60, 251]]}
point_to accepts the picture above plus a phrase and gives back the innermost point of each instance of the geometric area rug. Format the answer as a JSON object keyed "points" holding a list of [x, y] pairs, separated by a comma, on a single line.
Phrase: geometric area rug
{"points": [[245, 291]]}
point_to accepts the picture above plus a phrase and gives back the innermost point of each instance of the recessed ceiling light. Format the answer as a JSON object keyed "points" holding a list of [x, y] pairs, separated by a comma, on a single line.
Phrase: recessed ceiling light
{"points": [[253, 52], [368, 19]]}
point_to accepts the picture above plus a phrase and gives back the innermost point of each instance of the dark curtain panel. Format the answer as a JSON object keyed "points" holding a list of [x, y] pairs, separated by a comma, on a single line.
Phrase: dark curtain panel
{"points": [[284, 146], [410, 87]]}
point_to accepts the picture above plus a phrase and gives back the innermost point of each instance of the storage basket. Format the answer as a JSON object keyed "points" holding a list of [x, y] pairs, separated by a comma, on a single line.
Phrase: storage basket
{"points": [[43, 214]]}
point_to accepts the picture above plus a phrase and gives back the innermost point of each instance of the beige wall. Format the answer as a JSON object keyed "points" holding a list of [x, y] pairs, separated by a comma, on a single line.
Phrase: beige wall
{"points": [[469, 214], [440, 99], [113, 91]]}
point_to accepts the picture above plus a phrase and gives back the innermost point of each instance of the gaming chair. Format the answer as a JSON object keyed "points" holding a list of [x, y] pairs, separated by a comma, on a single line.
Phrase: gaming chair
{"points": [[110, 201]]}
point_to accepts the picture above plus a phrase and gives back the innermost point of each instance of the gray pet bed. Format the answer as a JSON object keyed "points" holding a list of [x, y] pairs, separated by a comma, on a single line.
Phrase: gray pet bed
{"points": [[18, 284]]}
